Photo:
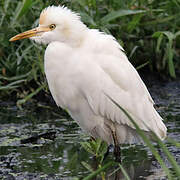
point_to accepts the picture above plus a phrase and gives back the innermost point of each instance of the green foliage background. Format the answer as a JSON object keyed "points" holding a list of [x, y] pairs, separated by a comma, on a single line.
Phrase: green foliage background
{"points": [[147, 29]]}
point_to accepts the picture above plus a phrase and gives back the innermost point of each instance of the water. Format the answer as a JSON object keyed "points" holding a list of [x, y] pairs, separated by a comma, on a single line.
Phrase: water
{"points": [[54, 150]]}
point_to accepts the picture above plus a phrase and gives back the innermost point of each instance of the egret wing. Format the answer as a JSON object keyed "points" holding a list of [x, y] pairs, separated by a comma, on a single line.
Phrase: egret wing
{"points": [[119, 80]]}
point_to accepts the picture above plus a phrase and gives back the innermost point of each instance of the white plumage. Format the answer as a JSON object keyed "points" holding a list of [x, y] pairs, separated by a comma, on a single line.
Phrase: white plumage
{"points": [[83, 67]]}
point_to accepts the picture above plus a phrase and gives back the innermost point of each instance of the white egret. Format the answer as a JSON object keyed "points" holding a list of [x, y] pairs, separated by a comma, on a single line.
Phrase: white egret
{"points": [[83, 67]]}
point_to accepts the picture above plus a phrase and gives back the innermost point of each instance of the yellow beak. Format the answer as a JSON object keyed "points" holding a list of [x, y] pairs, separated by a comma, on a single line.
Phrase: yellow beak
{"points": [[33, 32]]}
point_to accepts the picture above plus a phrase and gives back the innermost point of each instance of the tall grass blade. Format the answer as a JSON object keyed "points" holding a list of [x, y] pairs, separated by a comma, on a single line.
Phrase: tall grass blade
{"points": [[5, 7], [87, 147], [134, 23], [21, 9], [169, 49], [176, 34], [87, 166], [142, 65], [170, 61], [126, 176], [160, 20], [22, 101], [146, 140], [25, 7], [169, 35], [98, 145], [81, 2], [124, 172], [168, 154], [14, 78], [17, 11], [98, 171], [133, 51], [160, 38], [115, 14], [6, 4], [87, 19], [13, 85]]}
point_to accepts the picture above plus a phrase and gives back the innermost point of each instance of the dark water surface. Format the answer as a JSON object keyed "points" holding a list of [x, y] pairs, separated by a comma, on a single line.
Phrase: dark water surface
{"points": [[54, 150]]}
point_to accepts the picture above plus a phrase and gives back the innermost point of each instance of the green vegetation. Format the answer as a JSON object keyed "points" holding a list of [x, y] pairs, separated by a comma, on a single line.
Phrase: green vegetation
{"points": [[148, 31], [98, 150]]}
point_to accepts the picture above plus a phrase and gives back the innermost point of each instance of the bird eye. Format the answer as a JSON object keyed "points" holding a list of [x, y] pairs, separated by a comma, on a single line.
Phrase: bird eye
{"points": [[52, 26]]}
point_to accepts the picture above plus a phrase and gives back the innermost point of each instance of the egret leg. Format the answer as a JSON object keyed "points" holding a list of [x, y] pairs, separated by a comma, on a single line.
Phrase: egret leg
{"points": [[107, 152], [117, 149], [117, 153]]}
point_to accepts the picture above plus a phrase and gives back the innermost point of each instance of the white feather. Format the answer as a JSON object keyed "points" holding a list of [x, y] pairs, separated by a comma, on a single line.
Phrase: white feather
{"points": [[83, 67]]}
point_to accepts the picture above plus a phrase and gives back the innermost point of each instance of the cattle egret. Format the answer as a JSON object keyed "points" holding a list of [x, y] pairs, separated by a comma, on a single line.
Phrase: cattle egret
{"points": [[84, 67]]}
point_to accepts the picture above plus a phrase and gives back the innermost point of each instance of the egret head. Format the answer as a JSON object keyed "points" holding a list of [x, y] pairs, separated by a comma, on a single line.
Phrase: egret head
{"points": [[56, 23]]}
